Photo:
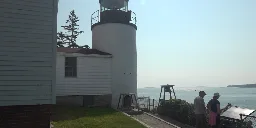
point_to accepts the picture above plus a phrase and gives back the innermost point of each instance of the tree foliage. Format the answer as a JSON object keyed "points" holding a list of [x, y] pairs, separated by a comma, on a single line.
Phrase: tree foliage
{"points": [[68, 38]]}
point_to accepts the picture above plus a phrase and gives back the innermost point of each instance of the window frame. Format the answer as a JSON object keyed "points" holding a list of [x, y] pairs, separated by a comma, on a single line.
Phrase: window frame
{"points": [[70, 67]]}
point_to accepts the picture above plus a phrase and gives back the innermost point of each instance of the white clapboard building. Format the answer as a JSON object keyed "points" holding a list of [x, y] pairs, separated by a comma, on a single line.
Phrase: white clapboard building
{"points": [[27, 62], [99, 75]]}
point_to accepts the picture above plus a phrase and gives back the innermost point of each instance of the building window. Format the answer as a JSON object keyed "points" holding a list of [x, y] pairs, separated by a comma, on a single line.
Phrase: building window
{"points": [[70, 67]]}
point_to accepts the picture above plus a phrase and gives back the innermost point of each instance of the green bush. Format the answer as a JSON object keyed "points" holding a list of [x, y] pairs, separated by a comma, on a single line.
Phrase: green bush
{"points": [[182, 111], [179, 110]]}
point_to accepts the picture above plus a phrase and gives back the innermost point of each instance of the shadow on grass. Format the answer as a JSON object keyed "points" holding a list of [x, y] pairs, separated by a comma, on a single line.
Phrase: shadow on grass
{"points": [[61, 113]]}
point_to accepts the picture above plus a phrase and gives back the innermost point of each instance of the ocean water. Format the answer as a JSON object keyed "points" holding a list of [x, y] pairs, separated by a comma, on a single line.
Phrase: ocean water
{"points": [[242, 97]]}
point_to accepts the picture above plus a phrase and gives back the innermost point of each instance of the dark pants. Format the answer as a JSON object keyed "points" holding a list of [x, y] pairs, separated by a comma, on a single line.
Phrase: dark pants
{"points": [[200, 121]]}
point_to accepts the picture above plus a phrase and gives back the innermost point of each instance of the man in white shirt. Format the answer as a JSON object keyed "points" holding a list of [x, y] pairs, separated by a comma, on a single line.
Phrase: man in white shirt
{"points": [[200, 110]]}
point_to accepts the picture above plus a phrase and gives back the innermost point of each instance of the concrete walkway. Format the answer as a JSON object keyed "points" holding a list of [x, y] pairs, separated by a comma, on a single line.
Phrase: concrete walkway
{"points": [[153, 122], [174, 121]]}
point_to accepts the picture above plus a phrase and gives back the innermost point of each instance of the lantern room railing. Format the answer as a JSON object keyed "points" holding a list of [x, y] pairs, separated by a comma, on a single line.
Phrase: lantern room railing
{"points": [[95, 17], [133, 18]]}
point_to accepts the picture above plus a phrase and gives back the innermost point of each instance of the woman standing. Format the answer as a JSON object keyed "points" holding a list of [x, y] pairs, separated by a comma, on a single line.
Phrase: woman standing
{"points": [[214, 111]]}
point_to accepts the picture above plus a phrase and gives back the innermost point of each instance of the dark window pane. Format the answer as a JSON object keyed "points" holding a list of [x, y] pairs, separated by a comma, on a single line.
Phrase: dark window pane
{"points": [[70, 66]]}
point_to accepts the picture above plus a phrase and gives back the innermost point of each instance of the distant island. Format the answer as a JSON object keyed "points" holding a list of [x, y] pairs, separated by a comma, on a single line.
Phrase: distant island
{"points": [[201, 86], [149, 87], [243, 86]]}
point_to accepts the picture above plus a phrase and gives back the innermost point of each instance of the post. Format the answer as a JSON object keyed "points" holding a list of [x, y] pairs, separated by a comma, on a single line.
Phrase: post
{"points": [[153, 104], [98, 16], [119, 101], [149, 104], [174, 93], [241, 116], [164, 95], [160, 96]]}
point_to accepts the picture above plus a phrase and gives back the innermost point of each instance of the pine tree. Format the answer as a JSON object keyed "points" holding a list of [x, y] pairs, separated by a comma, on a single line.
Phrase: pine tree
{"points": [[61, 39], [72, 32]]}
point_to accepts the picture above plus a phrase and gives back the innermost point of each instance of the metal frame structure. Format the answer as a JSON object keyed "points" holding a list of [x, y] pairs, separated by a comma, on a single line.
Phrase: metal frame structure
{"points": [[164, 89], [237, 121], [143, 101], [121, 99], [251, 117]]}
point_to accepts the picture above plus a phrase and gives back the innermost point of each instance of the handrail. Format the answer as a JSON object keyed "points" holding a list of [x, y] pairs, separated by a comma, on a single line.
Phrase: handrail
{"points": [[133, 18], [248, 115], [95, 17]]}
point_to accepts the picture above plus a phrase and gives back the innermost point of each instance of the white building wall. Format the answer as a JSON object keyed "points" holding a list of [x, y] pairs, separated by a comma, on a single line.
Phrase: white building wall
{"points": [[120, 41], [93, 75], [27, 51]]}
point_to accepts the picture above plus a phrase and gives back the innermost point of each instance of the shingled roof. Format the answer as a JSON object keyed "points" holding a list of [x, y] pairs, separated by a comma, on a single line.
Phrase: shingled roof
{"points": [[82, 51]]}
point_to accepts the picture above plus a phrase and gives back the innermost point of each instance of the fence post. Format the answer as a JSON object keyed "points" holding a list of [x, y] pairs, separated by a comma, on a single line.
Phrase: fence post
{"points": [[153, 104], [149, 104]]}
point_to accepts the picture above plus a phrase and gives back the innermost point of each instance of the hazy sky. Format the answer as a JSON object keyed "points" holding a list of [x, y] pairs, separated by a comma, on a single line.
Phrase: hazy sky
{"points": [[186, 42]]}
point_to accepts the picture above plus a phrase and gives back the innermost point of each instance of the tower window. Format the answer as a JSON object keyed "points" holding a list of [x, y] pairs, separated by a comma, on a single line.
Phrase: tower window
{"points": [[70, 67]]}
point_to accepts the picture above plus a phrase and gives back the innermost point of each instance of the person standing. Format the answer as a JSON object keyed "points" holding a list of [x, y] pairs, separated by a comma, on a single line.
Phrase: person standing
{"points": [[200, 110], [214, 111]]}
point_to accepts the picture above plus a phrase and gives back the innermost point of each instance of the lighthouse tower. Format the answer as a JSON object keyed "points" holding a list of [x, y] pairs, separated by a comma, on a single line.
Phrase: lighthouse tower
{"points": [[114, 31]]}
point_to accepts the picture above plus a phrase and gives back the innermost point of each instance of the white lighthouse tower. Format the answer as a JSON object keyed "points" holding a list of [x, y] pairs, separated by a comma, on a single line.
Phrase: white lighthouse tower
{"points": [[114, 31]]}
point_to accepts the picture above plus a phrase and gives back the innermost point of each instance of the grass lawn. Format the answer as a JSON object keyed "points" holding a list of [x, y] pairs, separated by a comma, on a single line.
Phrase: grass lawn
{"points": [[80, 117]]}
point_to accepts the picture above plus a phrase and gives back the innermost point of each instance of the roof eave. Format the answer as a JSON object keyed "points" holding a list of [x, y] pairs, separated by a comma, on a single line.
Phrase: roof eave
{"points": [[83, 55]]}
